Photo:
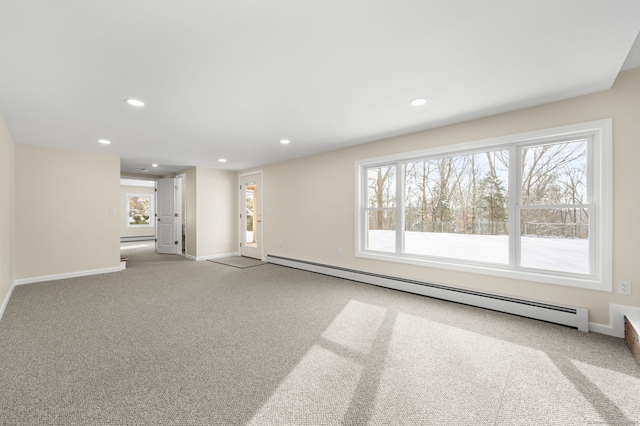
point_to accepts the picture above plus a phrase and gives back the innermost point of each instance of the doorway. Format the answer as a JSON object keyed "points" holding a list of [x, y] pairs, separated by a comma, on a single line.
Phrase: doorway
{"points": [[251, 215], [138, 209]]}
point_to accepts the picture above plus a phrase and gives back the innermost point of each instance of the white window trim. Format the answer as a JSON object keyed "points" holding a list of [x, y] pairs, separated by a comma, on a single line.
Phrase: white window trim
{"points": [[601, 178], [152, 204]]}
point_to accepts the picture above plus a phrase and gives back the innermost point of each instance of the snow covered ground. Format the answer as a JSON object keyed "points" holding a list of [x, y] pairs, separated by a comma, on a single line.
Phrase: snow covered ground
{"points": [[556, 254]]}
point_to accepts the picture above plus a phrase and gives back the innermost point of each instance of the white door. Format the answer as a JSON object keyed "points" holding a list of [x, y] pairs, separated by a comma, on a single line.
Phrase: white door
{"points": [[251, 215], [167, 221]]}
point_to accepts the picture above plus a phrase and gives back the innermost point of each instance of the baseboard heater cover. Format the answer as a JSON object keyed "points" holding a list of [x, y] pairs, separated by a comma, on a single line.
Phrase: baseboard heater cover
{"points": [[564, 315], [130, 239]]}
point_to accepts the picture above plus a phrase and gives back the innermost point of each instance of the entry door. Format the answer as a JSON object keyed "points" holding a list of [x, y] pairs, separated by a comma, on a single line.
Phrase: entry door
{"points": [[251, 215], [167, 223]]}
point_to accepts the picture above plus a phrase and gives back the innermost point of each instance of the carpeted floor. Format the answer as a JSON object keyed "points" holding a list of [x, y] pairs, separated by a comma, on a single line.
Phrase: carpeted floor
{"points": [[175, 342]]}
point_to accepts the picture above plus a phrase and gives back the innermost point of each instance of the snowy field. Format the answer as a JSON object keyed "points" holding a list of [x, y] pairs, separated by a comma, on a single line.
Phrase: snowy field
{"points": [[556, 254]]}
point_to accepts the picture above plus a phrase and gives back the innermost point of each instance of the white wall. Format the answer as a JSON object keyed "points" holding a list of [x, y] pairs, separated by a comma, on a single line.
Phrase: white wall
{"points": [[67, 211], [314, 197]]}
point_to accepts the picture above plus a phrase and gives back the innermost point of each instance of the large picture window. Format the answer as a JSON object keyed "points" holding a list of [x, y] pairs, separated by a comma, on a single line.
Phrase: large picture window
{"points": [[533, 206]]}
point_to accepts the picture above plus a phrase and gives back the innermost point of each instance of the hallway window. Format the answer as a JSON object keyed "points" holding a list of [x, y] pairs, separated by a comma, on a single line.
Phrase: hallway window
{"points": [[139, 210]]}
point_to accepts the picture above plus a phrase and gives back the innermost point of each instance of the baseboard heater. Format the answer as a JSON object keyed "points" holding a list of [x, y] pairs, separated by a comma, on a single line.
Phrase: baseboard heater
{"points": [[129, 239], [564, 315]]}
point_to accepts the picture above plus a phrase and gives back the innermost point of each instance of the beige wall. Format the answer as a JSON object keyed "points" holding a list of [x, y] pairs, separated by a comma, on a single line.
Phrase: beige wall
{"points": [[7, 203], [216, 212], [191, 208], [212, 225], [314, 197], [134, 232], [63, 219]]}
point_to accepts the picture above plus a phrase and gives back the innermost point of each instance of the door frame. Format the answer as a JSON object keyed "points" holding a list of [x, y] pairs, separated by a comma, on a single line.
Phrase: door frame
{"points": [[241, 207], [181, 208]]}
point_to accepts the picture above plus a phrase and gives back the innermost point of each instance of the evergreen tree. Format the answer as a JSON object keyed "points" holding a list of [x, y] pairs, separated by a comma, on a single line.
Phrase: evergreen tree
{"points": [[494, 203]]}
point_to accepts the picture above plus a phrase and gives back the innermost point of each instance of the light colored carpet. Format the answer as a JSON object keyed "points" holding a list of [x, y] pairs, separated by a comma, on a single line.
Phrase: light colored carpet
{"points": [[238, 261], [175, 342]]}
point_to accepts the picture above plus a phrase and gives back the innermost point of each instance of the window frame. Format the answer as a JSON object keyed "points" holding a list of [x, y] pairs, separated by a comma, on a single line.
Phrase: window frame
{"points": [[599, 201], [151, 211]]}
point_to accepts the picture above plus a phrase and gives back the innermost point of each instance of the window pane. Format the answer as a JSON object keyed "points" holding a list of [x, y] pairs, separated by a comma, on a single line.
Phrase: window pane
{"points": [[381, 234], [139, 210], [555, 239], [555, 173], [457, 207], [381, 186], [250, 219]]}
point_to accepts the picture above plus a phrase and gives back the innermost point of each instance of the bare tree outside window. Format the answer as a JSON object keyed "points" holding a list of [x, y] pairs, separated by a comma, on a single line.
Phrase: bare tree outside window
{"points": [[381, 203], [554, 202], [447, 198]]}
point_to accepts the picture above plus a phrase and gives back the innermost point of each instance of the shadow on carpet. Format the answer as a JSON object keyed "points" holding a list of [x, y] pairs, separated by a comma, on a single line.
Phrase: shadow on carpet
{"points": [[238, 262]]}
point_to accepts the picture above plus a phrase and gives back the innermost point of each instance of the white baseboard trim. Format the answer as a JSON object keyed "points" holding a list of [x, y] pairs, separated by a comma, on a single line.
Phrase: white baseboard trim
{"points": [[211, 256], [5, 302], [55, 277], [594, 327], [616, 320]]}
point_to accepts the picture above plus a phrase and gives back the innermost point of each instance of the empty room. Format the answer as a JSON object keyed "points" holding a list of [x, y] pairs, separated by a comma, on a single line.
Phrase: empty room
{"points": [[319, 213]]}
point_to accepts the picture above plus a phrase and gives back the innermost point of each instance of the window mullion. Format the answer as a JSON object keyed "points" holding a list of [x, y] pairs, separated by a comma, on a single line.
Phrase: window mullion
{"points": [[363, 212], [595, 231], [515, 195], [400, 172]]}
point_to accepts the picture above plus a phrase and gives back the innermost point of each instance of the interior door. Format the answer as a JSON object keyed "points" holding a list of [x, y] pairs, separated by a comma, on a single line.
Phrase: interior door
{"points": [[167, 223], [251, 215]]}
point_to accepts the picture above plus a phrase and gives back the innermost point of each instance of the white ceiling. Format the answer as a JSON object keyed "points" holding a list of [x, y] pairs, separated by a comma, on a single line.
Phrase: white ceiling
{"points": [[230, 78]]}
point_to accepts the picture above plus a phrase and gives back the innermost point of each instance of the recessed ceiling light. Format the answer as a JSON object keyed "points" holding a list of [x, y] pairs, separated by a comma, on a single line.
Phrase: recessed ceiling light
{"points": [[104, 141], [144, 170], [284, 141], [222, 160], [134, 102], [418, 102], [154, 165]]}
